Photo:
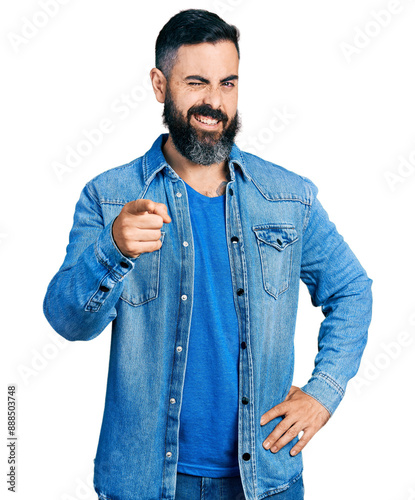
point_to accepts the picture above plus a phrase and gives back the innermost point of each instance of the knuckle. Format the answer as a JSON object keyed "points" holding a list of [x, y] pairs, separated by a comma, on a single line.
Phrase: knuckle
{"points": [[150, 205], [159, 221], [129, 247], [128, 234], [280, 432], [277, 432], [130, 208], [141, 223], [156, 246], [305, 438], [283, 407], [291, 433], [124, 222], [273, 411], [300, 445]]}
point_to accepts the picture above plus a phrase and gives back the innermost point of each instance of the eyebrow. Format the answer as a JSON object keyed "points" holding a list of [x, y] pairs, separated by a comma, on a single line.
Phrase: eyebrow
{"points": [[205, 80]]}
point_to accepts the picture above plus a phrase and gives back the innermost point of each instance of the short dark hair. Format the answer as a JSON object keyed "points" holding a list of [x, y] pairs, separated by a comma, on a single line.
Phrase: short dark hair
{"points": [[190, 27]]}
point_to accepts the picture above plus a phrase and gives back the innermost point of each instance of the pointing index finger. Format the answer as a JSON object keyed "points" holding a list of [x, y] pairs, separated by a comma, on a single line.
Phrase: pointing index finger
{"points": [[161, 209], [142, 206]]}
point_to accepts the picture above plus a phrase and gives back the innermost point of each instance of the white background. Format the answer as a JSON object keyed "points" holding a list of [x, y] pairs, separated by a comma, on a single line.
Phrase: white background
{"points": [[351, 125]]}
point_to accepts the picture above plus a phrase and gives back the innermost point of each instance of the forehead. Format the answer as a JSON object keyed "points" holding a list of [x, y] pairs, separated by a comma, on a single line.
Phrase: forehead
{"points": [[207, 59]]}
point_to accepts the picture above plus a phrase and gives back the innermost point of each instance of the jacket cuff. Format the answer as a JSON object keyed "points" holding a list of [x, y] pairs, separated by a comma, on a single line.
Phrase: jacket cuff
{"points": [[109, 255], [325, 390]]}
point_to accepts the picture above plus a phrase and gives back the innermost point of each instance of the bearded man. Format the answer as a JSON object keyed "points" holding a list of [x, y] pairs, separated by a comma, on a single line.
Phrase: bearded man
{"points": [[194, 252]]}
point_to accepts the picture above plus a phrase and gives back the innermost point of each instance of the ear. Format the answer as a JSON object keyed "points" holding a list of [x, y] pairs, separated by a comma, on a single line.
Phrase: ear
{"points": [[159, 83]]}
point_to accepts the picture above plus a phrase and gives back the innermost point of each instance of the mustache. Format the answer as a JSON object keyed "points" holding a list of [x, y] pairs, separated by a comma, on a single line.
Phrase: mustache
{"points": [[205, 110]]}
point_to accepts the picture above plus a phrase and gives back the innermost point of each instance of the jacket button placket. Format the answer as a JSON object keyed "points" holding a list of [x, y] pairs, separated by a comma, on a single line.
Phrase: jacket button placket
{"points": [[238, 272], [177, 198]]}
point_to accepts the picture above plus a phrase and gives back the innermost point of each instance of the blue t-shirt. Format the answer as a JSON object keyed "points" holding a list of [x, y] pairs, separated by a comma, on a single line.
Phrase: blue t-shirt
{"points": [[208, 435]]}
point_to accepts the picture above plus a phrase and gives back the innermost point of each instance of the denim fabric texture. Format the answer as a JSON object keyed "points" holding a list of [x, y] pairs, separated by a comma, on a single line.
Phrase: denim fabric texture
{"points": [[277, 233], [226, 488]]}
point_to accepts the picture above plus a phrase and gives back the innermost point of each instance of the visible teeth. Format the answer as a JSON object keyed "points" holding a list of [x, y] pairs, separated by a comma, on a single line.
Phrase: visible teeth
{"points": [[208, 121]]}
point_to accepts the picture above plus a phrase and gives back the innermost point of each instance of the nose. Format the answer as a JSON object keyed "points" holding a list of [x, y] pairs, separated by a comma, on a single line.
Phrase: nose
{"points": [[213, 97]]}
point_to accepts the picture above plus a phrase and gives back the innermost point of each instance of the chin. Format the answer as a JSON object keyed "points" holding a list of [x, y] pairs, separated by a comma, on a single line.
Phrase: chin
{"points": [[208, 135]]}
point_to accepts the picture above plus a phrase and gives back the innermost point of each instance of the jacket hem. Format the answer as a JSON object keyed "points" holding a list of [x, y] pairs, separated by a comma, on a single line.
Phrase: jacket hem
{"points": [[281, 488]]}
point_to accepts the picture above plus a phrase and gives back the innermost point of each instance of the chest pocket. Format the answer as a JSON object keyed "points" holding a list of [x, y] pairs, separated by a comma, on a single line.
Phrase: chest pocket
{"points": [[275, 249], [142, 283]]}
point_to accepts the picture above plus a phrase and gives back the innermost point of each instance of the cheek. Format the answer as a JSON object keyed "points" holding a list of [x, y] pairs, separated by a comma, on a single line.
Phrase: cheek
{"points": [[183, 99], [231, 104], [188, 102]]}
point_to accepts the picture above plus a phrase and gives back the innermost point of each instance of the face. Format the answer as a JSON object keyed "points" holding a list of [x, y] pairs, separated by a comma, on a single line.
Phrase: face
{"points": [[200, 107]]}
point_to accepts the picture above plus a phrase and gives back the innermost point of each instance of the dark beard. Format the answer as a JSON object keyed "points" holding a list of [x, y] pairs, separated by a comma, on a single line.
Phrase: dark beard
{"points": [[199, 146]]}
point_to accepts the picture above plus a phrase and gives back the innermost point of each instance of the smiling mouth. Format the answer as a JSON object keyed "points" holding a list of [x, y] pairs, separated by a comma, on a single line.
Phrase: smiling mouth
{"points": [[206, 120]]}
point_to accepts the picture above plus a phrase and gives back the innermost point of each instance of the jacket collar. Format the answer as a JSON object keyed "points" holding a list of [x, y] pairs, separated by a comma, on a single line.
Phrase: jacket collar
{"points": [[154, 161]]}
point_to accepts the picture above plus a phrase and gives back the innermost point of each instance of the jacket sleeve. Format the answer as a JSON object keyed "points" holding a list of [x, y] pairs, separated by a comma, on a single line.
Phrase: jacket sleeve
{"points": [[80, 299], [340, 286]]}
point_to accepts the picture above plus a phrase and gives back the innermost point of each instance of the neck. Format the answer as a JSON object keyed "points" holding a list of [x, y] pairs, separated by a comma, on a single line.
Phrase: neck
{"points": [[188, 170]]}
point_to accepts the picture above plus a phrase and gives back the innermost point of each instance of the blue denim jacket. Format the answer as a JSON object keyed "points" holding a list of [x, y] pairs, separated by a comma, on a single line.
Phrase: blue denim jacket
{"points": [[277, 234]]}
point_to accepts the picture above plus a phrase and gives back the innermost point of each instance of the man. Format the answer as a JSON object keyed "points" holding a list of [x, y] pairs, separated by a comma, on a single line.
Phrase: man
{"points": [[194, 252]]}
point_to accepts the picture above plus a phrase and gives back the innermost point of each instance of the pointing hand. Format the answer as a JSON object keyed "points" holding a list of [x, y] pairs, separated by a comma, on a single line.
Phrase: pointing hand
{"points": [[137, 228]]}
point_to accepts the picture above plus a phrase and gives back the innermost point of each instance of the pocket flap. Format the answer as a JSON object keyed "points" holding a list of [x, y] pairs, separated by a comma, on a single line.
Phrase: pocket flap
{"points": [[277, 235]]}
